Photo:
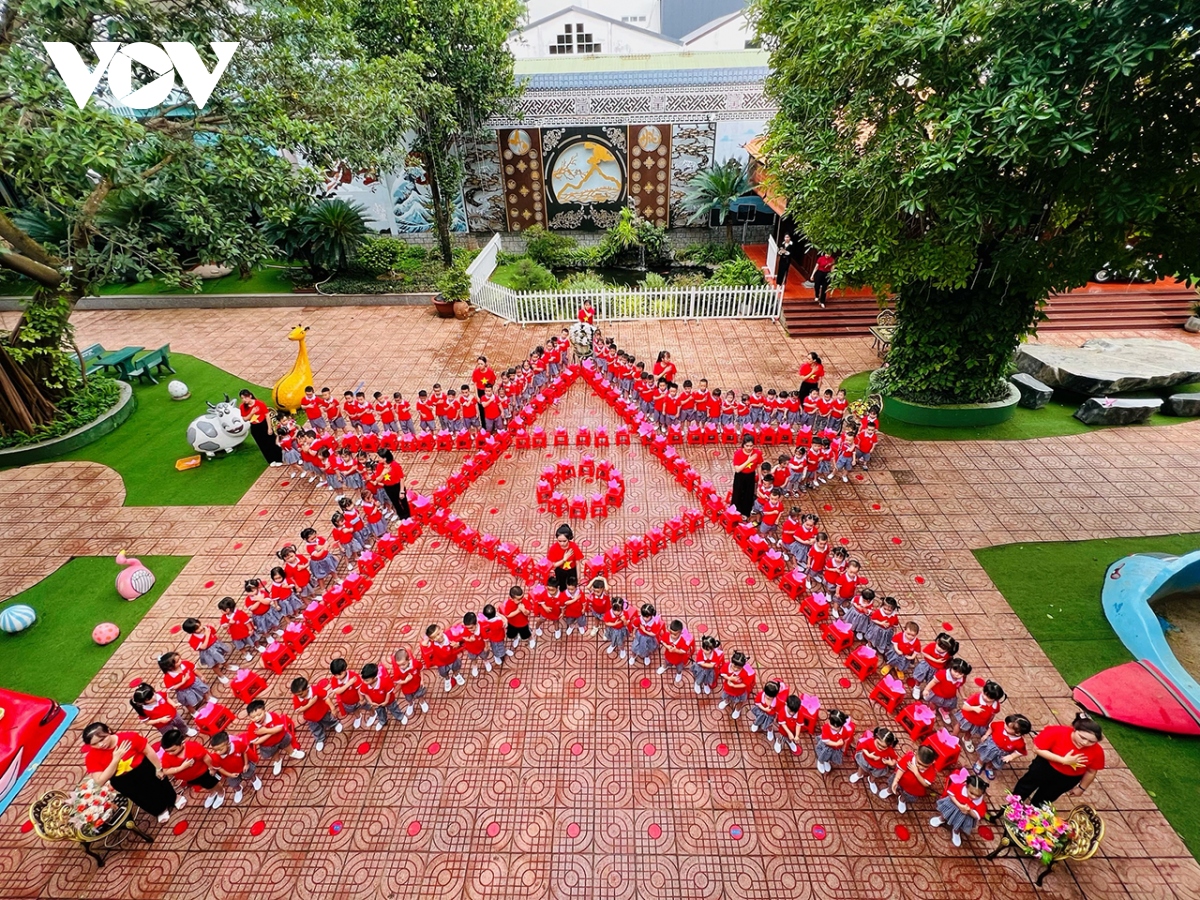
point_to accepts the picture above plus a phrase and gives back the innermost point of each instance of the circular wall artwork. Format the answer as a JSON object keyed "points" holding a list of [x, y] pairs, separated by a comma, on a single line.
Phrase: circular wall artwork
{"points": [[519, 142], [586, 171], [649, 138]]}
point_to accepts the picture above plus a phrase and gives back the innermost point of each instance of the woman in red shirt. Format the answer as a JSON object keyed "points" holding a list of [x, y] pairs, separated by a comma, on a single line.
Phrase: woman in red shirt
{"points": [[746, 460], [587, 313], [566, 556], [124, 759], [1067, 759], [821, 275], [811, 373], [255, 412], [390, 476], [664, 368]]}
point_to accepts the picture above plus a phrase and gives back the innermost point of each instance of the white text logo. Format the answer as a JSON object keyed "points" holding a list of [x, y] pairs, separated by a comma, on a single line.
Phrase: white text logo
{"points": [[117, 60]]}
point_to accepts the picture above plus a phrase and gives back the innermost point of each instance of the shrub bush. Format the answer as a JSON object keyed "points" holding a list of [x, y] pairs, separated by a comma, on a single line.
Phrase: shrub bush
{"points": [[737, 273], [711, 254], [376, 256], [583, 281], [529, 276], [547, 248], [81, 407]]}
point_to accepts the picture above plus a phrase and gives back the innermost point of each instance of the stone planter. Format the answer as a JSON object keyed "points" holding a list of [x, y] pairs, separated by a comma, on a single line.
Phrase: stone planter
{"points": [[73, 440], [958, 415]]}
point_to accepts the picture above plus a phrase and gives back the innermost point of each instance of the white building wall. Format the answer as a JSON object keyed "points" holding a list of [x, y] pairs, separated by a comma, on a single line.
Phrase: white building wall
{"points": [[732, 35], [643, 13], [612, 37]]}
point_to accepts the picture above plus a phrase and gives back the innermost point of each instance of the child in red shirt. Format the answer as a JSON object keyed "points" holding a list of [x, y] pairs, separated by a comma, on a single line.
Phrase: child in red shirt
{"points": [[407, 672], [189, 762], [767, 705], [616, 627], [426, 411], [441, 652], [269, 733], [154, 708], [876, 758], [708, 662], [904, 649], [646, 626], [344, 686], [836, 735], [787, 721], [229, 756], [516, 611], [942, 691], [971, 720], [237, 623], [210, 651], [493, 626], [474, 643], [574, 611], [677, 649], [915, 774], [310, 702], [550, 608], [1005, 743], [737, 682], [179, 675], [962, 805], [935, 656], [380, 691], [882, 625]]}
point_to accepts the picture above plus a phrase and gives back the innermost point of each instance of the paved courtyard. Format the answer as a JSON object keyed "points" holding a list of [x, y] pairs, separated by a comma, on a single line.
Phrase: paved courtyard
{"points": [[569, 775]]}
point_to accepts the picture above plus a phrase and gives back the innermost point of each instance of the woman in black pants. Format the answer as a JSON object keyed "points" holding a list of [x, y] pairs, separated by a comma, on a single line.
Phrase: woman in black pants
{"points": [[390, 476], [1068, 758]]}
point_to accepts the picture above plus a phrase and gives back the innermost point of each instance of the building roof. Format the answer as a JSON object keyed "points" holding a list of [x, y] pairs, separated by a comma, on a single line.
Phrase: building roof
{"points": [[644, 69], [680, 17], [710, 26]]}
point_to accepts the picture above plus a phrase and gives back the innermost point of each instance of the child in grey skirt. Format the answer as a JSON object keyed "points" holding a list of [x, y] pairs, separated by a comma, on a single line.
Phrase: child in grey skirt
{"points": [[645, 634], [835, 735], [961, 807], [704, 666], [616, 627]]}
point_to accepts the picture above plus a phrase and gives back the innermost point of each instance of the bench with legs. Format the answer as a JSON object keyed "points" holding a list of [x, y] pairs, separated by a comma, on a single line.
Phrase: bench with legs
{"points": [[883, 330], [144, 366]]}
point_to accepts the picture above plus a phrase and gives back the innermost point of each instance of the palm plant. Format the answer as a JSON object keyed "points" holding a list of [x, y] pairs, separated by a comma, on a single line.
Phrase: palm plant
{"points": [[324, 234], [716, 188]]}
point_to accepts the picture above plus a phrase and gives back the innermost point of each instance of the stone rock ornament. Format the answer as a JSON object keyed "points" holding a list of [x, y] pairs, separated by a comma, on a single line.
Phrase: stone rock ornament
{"points": [[1102, 367], [16, 618], [1182, 405], [220, 430], [1034, 394], [1119, 411]]}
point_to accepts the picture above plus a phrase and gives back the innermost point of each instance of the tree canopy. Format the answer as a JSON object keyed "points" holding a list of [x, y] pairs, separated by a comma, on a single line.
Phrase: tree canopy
{"points": [[95, 194], [975, 156], [466, 71]]}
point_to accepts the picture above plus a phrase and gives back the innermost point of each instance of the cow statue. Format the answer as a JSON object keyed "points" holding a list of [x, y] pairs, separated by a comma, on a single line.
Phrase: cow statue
{"points": [[580, 335], [220, 430]]}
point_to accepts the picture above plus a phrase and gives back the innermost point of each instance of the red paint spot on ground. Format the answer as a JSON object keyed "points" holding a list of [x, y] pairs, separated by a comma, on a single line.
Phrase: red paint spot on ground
{"points": [[493, 829], [980, 682], [237, 546], [920, 579], [859, 477], [828, 508], [262, 512], [695, 582], [688, 542], [876, 506], [702, 628], [364, 748], [735, 832], [764, 627], [475, 582], [308, 512], [639, 581], [635, 509], [897, 541], [844, 682], [26, 826], [576, 749], [346, 629], [405, 629], [649, 749], [421, 583], [844, 541], [505, 748], [209, 584], [579, 682], [573, 830], [655, 830], [986, 833], [427, 456], [722, 750], [434, 545], [414, 828], [258, 828], [508, 456], [335, 827], [750, 580], [175, 629], [180, 827], [501, 481], [946, 626], [902, 832], [818, 831], [434, 748], [135, 682], [493, 511], [284, 483], [515, 683], [645, 682]]}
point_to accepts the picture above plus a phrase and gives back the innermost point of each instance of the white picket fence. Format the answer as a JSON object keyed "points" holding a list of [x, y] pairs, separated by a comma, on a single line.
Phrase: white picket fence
{"points": [[535, 307]]}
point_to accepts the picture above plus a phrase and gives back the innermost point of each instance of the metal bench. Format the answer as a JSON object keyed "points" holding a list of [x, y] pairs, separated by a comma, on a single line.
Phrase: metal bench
{"points": [[883, 331], [90, 356], [145, 365]]}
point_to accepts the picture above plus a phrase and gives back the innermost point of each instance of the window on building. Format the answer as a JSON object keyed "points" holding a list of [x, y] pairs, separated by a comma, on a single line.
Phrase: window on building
{"points": [[634, 20], [574, 40]]}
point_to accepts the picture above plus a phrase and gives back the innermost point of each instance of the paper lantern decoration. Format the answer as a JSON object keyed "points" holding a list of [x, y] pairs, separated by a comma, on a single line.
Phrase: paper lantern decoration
{"points": [[15, 619], [178, 390], [105, 633]]}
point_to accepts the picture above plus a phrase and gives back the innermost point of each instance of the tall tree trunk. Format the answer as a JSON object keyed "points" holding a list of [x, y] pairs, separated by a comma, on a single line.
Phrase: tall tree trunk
{"points": [[441, 214], [728, 231], [26, 401]]}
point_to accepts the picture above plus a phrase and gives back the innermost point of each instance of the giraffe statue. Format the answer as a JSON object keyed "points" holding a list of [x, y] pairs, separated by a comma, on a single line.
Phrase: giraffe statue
{"points": [[289, 390]]}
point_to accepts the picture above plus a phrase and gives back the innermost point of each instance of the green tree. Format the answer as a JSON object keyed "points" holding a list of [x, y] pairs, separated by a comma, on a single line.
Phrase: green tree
{"points": [[976, 156], [467, 71], [325, 234], [716, 189], [94, 194]]}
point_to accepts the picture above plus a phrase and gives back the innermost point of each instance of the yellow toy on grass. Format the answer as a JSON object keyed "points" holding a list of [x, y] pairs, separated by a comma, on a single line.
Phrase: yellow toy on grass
{"points": [[289, 390]]}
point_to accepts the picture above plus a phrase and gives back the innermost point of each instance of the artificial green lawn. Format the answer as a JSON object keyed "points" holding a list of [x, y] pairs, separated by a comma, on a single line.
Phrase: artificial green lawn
{"points": [[144, 450], [1057, 418], [262, 280], [56, 656], [1063, 580]]}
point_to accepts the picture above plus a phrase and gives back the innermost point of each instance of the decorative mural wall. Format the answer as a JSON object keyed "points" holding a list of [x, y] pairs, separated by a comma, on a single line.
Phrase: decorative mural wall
{"points": [[581, 177]]}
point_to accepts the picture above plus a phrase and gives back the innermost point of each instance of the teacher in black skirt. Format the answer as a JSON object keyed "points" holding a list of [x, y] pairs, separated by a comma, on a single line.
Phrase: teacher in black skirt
{"points": [[125, 760], [255, 412], [390, 476], [1067, 760], [746, 460]]}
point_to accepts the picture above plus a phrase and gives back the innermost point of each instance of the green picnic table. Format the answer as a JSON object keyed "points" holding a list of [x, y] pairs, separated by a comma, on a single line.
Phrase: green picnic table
{"points": [[121, 360]]}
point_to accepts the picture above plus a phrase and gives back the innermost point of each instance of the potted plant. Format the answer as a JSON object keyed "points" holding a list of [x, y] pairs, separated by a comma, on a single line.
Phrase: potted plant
{"points": [[454, 287], [1192, 325]]}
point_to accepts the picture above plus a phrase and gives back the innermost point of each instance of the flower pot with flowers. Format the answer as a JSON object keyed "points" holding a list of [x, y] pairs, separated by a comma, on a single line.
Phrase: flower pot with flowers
{"points": [[1039, 832], [454, 288], [90, 815]]}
